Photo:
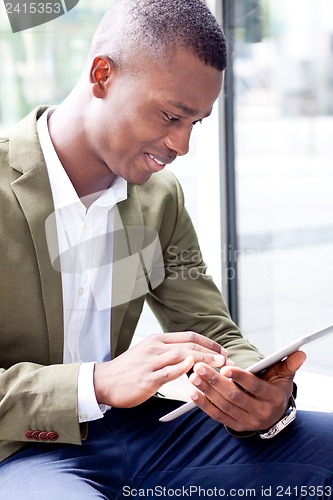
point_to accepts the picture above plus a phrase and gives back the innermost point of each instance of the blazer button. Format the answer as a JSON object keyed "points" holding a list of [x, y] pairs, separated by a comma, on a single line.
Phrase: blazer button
{"points": [[52, 436], [28, 434], [35, 435], [43, 436]]}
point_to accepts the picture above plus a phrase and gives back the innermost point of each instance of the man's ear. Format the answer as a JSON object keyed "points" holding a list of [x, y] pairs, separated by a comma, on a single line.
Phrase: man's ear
{"points": [[100, 75]]}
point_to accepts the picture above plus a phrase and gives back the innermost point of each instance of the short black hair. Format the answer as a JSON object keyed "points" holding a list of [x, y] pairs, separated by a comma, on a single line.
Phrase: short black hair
{"points": [[160, 26]]}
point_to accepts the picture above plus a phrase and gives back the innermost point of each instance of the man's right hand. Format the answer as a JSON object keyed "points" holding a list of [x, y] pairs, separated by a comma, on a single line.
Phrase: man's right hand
{"points": [[137, 374]]}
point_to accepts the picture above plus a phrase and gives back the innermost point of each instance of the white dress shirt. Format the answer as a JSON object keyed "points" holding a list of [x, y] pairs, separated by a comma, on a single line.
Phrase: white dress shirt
{"points": [[85, 247]]}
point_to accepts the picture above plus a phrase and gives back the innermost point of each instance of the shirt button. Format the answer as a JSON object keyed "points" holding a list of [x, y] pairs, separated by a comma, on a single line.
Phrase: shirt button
{"points": [[80, 291]]}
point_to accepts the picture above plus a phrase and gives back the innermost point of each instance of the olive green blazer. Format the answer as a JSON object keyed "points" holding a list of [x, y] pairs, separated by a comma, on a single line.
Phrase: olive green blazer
{"points": [[37, 391]]}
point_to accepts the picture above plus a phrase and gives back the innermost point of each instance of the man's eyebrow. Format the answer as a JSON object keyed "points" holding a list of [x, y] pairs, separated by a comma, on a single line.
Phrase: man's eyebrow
{"points": [[186, 110]]}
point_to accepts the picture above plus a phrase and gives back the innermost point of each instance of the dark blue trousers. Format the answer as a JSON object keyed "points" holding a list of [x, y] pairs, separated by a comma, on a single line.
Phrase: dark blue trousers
{"points": [[130, 454]]}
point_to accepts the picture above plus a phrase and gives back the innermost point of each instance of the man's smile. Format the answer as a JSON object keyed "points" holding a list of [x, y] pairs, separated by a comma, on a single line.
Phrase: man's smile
{"points": [[156, 163]]}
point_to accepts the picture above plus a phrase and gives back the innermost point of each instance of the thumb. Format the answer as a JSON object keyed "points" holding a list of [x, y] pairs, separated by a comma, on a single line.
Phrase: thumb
{"points": [[293, 362], [286, 368]]}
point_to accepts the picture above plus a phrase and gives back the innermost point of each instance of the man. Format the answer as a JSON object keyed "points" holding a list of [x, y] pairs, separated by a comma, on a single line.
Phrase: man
{"points": [[86, 215]]}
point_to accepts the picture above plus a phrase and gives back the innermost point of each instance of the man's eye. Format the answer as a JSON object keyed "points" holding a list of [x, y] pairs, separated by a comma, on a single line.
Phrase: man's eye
{"points": [[197, 121], [171, 118]]}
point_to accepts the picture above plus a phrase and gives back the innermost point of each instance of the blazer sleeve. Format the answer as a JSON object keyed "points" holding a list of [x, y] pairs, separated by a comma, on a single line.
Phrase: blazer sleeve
{"points": [[40, 399], [188, 299]]}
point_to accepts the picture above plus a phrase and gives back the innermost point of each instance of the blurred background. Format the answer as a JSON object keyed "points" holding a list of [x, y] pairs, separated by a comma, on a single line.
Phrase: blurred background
{"points": [[260, 168]]}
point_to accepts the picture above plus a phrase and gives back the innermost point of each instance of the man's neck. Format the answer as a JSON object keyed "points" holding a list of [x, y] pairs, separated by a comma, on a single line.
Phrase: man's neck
{"points": [[88, 175]]}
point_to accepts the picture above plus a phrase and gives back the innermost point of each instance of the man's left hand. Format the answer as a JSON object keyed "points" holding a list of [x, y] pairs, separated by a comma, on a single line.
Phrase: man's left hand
{"points": [[241, 400]]}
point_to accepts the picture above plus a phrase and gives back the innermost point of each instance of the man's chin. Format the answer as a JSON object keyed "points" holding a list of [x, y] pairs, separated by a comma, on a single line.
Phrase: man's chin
{"points": [[140, 180]]}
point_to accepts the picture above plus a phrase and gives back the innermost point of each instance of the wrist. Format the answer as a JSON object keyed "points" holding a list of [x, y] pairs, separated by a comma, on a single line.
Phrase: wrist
{"points": [[286, 419], [100, 388]]}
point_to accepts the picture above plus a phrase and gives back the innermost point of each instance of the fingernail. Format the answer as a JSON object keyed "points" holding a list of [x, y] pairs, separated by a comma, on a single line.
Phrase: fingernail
{"points": [[196, 380], [219, 359], [194, 396], [201, 370]]}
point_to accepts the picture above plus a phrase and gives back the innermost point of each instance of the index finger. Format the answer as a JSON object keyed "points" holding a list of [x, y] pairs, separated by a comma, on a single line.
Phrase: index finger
{"points": [[247, 381], [194, 338]]}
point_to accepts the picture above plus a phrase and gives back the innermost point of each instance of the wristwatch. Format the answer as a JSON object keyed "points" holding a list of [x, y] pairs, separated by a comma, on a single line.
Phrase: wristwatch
{"points": [[286, 419]]}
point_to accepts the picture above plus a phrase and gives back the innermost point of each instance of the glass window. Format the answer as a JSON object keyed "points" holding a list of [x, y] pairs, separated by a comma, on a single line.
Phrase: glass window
{"points": [[283, 60], [42, 64]]}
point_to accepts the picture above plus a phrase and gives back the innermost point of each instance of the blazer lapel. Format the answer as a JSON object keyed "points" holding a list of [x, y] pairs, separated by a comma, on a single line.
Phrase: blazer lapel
{"points": [[33, 193]]}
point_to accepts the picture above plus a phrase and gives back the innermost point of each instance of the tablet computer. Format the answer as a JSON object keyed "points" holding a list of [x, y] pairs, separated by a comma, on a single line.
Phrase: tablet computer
{"points": [[260, 366]]}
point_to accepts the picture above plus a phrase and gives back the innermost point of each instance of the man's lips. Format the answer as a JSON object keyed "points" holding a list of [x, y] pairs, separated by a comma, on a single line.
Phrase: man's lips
{"points": [[157, 163]]}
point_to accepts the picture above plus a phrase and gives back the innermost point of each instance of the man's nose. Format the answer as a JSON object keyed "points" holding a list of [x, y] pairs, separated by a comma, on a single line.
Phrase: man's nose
{"points": [[179, 140]]}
